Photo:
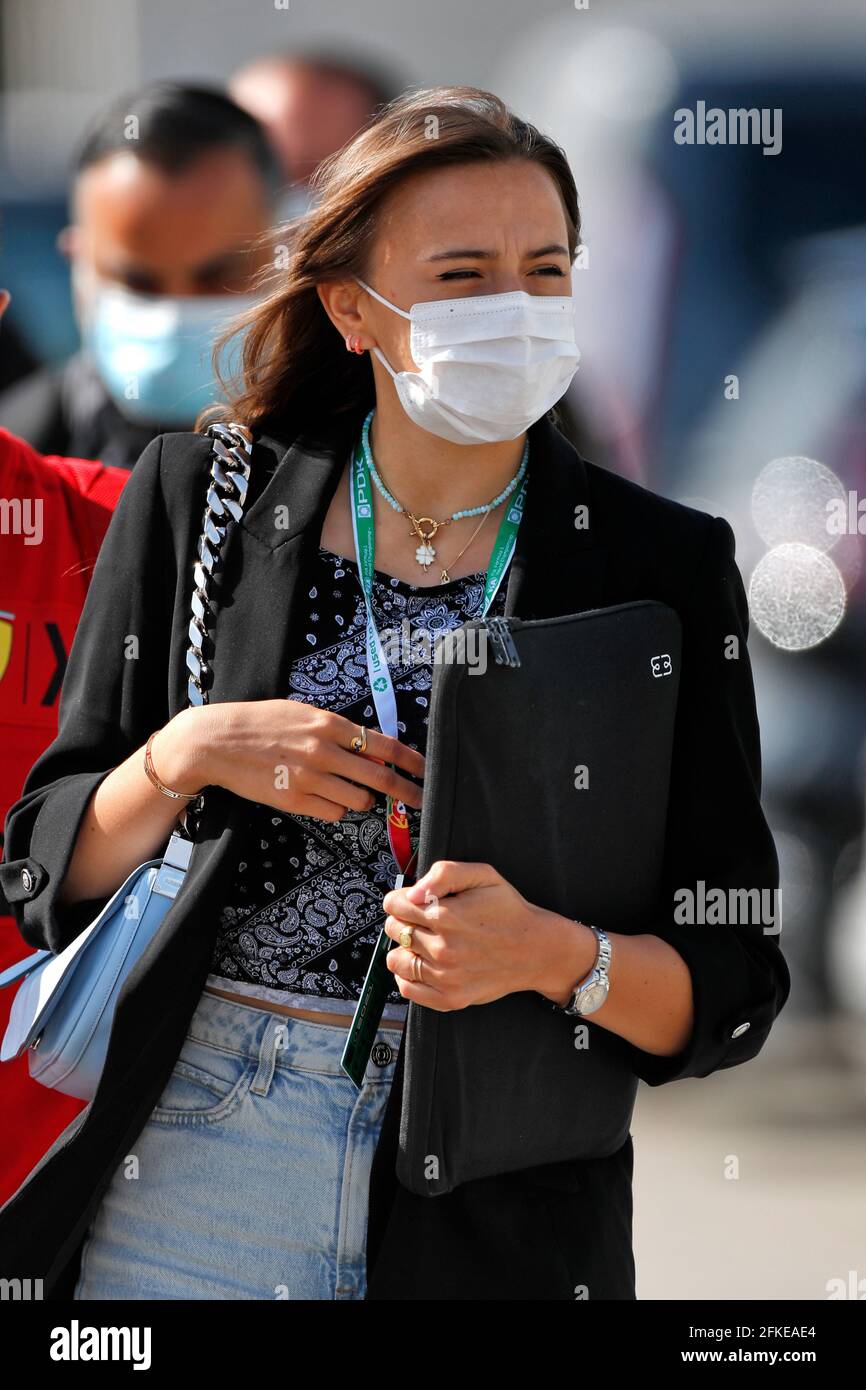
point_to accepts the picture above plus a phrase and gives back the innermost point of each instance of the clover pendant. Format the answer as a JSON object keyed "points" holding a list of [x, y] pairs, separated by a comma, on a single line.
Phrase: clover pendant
{"points": [[425, 554]]}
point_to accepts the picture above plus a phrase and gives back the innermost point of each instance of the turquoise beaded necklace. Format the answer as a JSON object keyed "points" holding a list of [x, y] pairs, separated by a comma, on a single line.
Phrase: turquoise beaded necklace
{"points": [[425, 553]]}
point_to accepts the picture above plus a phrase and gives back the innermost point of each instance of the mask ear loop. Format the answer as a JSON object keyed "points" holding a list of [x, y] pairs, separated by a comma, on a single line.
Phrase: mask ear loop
{"points": [[382, 300], [388, 305], [385, 363]]}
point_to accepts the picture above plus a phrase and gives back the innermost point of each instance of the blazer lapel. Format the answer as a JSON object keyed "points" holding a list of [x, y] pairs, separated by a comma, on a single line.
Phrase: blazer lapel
{"points": [[279, 530]]}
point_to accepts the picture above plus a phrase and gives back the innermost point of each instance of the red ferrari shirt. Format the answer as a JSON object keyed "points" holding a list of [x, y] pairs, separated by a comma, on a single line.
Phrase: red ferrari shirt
{"points": [[53, 515]]}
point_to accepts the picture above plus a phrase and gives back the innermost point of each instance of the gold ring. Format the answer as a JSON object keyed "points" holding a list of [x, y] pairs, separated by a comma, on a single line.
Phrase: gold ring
{"points": [[359, 742], [416, 960], [406, 938]]}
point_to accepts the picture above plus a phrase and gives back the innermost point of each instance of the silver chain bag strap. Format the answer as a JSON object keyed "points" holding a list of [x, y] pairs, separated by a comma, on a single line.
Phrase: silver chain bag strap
{"points": [[226, 496]]}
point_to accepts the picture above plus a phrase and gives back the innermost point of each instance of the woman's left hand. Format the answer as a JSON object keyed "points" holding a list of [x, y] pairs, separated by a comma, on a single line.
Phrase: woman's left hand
{"points": [[478, 937]]}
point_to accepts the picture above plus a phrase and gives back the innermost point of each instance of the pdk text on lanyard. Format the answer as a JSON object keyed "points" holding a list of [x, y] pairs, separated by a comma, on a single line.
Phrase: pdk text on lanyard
{"points": [[381, 684]]}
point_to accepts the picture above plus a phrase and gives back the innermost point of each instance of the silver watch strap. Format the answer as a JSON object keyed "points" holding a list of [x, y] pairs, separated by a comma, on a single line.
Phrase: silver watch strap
{"points": [[602, 960]]}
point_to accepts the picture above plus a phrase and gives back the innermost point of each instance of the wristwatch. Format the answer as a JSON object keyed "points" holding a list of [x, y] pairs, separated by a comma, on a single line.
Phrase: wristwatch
{"points": [[591, 992]]}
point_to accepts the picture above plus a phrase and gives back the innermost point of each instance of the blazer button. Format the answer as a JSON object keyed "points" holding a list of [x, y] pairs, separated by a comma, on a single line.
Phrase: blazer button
{"points": [[27, 880], [381, 1054], [738, 1032]]}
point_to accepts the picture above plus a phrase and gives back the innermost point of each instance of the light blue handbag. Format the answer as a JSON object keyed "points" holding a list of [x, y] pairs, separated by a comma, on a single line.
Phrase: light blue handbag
{"points": [[64, 1008]]}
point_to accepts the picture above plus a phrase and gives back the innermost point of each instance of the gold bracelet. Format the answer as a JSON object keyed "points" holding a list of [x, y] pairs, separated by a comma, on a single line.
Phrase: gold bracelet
{"points": [[151, 772]]}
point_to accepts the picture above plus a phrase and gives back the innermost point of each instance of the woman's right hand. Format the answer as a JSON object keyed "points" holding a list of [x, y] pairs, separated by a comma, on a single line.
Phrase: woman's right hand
{"points": [[284, 753]]}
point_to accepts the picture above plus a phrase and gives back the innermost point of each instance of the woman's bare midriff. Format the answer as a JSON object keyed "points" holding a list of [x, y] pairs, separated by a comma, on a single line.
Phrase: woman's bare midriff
{"points": [[311, 1015]]}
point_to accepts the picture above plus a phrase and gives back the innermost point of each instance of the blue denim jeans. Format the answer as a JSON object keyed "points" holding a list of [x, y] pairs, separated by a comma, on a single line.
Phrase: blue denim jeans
{"points": [[251, 1176]]}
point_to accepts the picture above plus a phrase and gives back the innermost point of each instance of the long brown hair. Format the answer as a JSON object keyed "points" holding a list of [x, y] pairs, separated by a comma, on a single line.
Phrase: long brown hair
{"points": [[294, 367]]}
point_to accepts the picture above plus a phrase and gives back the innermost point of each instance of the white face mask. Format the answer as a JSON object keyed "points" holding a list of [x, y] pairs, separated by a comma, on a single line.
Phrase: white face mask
{"points": [[489, 365]]}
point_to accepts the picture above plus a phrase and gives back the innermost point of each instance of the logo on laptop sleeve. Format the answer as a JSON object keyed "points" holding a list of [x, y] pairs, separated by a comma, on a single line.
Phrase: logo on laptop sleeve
{"points": [[661, 665]]}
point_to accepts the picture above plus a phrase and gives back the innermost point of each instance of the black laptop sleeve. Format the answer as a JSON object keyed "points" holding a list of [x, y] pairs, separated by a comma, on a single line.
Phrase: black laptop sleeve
{"points": [[548, 756]]}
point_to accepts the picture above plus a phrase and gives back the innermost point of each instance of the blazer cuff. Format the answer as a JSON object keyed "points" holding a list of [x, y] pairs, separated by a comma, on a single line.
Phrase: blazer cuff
{"points": [[31, 884], [735, 999]]}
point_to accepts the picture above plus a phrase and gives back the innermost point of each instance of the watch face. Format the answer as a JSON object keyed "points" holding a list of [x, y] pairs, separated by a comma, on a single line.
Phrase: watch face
{"points": [[592, 998]]}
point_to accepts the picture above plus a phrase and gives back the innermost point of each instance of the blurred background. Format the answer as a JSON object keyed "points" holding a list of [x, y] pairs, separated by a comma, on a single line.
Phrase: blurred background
{"points": [[722, 293]]}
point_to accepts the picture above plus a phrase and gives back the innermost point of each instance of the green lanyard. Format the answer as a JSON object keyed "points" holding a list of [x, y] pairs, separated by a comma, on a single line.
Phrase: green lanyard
{"points": [[378, 980], [381, 685]]}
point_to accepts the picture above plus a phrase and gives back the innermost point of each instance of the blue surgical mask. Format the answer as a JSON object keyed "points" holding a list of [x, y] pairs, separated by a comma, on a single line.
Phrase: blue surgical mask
{"points": [[153, 353]]}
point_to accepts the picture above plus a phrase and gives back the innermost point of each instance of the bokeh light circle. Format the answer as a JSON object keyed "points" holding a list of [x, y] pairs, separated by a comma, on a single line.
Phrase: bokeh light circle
{"points": [[796, 596], [790, 502]]}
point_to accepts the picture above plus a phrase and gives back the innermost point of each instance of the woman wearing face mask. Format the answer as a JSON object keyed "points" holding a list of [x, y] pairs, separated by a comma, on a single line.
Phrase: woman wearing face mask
{"points": [[397, 382]]}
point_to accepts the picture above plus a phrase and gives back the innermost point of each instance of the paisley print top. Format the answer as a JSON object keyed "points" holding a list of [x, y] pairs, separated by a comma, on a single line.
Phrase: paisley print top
{"points": [[303, 910]]}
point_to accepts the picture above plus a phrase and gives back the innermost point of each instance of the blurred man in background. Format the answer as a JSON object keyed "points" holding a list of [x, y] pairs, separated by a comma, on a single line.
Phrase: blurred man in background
{"points": [[173, 186], [310, 107]]}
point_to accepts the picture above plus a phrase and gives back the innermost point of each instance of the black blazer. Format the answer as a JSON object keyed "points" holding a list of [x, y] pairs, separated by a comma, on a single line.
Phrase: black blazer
{"points": [[534, 1235]]}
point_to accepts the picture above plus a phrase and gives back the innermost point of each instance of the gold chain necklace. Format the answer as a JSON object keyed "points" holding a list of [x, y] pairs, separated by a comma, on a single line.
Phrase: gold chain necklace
{"points": [[445, 575]]}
